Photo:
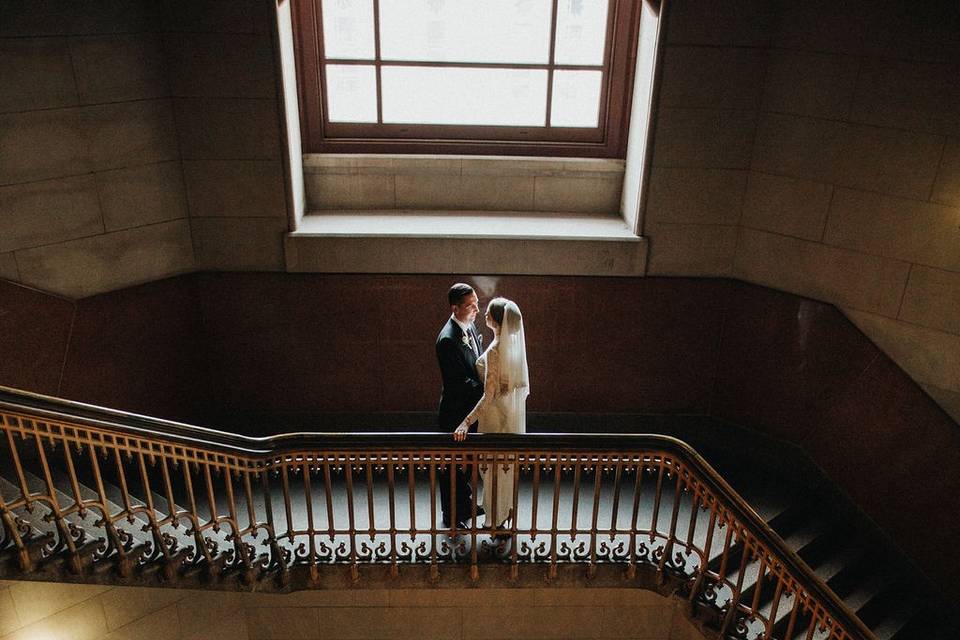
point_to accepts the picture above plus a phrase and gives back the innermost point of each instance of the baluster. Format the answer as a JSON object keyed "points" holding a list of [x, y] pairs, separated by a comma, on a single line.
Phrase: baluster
{"points": [[273, 538], [707, 547], [775, 605], [123, 564], [795, 611], [574, 526], [734, 606], [493, 474], [514, 510], [656, 503], [412, 493], [239, 549], [371, 518], [211, 499], [535, 503], [431, 461], [160, 548], [595, 516], [351, 520], [72, 475], [311, 532], [634, 515], [692, 490], [21, 476], [674, 517], [124, 492], [331, 507], [66, 539], [392, 508], [758, 588], [474, 470], [287, 504], [555, 514], [615, 510]]}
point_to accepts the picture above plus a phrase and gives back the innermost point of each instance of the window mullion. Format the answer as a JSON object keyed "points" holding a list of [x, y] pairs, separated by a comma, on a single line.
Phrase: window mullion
{"points": [[376, 58], [551, 61]]}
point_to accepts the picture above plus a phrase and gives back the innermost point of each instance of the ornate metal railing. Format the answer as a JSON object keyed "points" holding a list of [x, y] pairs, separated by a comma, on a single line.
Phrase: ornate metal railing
{"points": [[101, 494]]}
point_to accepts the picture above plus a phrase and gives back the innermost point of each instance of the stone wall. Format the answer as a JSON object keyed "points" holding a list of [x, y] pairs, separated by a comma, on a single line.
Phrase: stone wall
{"points": [[815, 148], [85, 612]]}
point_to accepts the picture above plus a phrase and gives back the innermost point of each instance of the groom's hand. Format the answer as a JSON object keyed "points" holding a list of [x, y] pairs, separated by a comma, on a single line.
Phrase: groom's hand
{"points": [[460, 433]]}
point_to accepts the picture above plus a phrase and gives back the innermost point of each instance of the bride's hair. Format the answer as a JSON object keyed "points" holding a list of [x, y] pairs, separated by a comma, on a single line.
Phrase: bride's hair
{"points": [[496, 309]]}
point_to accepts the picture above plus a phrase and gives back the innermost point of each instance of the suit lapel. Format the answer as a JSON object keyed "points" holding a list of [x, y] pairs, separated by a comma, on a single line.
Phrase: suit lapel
{"points": [[468, 355]]}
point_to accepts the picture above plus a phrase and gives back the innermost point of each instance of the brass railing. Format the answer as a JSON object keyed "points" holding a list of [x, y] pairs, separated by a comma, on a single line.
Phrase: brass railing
{"points": [[86, 488]]}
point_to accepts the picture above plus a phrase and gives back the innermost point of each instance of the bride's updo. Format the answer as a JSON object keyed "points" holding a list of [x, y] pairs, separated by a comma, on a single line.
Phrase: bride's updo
{"points": [[496, 308]]}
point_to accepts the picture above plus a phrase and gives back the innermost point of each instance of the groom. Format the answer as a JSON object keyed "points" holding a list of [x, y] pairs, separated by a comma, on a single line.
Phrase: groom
{"points": [[458, 347]]}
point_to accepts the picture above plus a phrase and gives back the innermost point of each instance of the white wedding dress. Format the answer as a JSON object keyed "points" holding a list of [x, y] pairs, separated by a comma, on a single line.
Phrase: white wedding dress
{"points": [[506, 384]]}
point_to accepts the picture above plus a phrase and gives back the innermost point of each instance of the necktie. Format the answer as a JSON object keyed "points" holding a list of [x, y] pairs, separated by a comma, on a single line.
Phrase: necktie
{"points": [[473, 344]]}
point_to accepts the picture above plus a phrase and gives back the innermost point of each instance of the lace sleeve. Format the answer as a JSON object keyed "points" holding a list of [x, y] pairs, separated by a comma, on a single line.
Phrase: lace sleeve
{"points": [[491, 386]]}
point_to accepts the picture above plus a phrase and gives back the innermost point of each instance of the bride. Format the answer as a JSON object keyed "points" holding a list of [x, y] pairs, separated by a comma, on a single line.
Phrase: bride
{"points": [[502, 409]]}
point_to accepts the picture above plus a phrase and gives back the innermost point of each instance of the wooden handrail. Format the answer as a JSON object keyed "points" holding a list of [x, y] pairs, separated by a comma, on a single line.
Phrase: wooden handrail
{"points": [[196, 490]]}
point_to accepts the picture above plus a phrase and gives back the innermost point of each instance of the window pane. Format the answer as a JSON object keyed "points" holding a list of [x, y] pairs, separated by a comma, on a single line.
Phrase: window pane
{"points": [[351, 93], [576, 98], [466, 30], [348, 29], [450, 95], [581, 31]]}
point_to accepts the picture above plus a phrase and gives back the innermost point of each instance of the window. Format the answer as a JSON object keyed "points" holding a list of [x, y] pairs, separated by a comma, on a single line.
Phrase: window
{"points": [[509, 77]]}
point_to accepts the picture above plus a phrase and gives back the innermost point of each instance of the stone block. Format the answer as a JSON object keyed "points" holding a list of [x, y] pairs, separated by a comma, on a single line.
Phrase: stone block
{"points": [[848, 278], [235, 188], [946, 189], [888, 161], [66, 17], [700, 196], [932, 299], [85, 267], [126, 134], [725, 22], [239, 244], [8, 267], [41, 144], [48, 212], [337, 191], [144, 195], [818, 85], [282, 623], [582, 195], [705, 138], [895, 228], [228, 128], [691, 249], [210, 16], [399, 623], [220, 65], [930, 357], [712, 77], [823, 26], [83, 621], [490, 623], [9, 621], [124, 605], [948, 400], [788, 206], [638, 622], [38, 600], [119, 67], [207, 614], [908, 95], [164, 623], [35, 73]]}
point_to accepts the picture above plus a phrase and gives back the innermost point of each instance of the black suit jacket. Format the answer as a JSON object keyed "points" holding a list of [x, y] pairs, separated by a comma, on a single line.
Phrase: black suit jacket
{"points": [[462, 387]]}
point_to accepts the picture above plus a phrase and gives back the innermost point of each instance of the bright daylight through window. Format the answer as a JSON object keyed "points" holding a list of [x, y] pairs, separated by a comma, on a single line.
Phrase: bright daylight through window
{"points": [[549, 77]]}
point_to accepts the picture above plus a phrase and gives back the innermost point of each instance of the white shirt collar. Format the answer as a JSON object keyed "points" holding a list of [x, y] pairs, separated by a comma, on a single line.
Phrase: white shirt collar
{"points": [[463, 325]]}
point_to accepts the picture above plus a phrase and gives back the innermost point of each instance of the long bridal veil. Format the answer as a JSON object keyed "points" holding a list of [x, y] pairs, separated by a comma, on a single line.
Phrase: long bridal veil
{"points": [[514, 375]]}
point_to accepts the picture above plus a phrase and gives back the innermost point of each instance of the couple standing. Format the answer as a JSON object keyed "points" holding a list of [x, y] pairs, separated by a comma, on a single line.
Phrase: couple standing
{"points": [[483, 390]]}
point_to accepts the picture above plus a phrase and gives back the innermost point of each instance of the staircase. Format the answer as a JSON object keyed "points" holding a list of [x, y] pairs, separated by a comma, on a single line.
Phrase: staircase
{"points": [[92, 495]]}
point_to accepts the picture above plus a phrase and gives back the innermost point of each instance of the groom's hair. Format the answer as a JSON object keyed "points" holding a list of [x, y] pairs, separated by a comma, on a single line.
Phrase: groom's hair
{"points": [[458, 292]]}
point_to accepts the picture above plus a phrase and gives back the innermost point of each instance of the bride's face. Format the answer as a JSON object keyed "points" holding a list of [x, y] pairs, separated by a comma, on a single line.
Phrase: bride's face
{"points": [[490, 321]]}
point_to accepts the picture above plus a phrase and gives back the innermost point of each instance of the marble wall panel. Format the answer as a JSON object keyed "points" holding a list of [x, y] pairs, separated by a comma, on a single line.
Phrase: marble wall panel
{"points": [[50, 211], [691, 249], [8, 267], [712, 77], [345, 191], [138, 196], [210, 16], [118, 68], [38, 145], [227, 129], [65, 17], [700, 196], [220, 65], [80, 268], [908, 95], [787, 206], [235, 188], [582, 195], [239, 244], [810, 84], [947, 186], [35, 73], [706, 138], [898, 228], [932, 299], [123, 134], [725, 22]]}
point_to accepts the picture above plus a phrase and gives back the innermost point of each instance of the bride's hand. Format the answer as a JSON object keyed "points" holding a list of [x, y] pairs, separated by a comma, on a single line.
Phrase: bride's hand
{"points": [[461, 432]]}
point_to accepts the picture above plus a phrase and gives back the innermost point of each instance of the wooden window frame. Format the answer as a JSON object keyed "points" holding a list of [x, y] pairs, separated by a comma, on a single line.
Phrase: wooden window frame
{"points": [[608, 140]]}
